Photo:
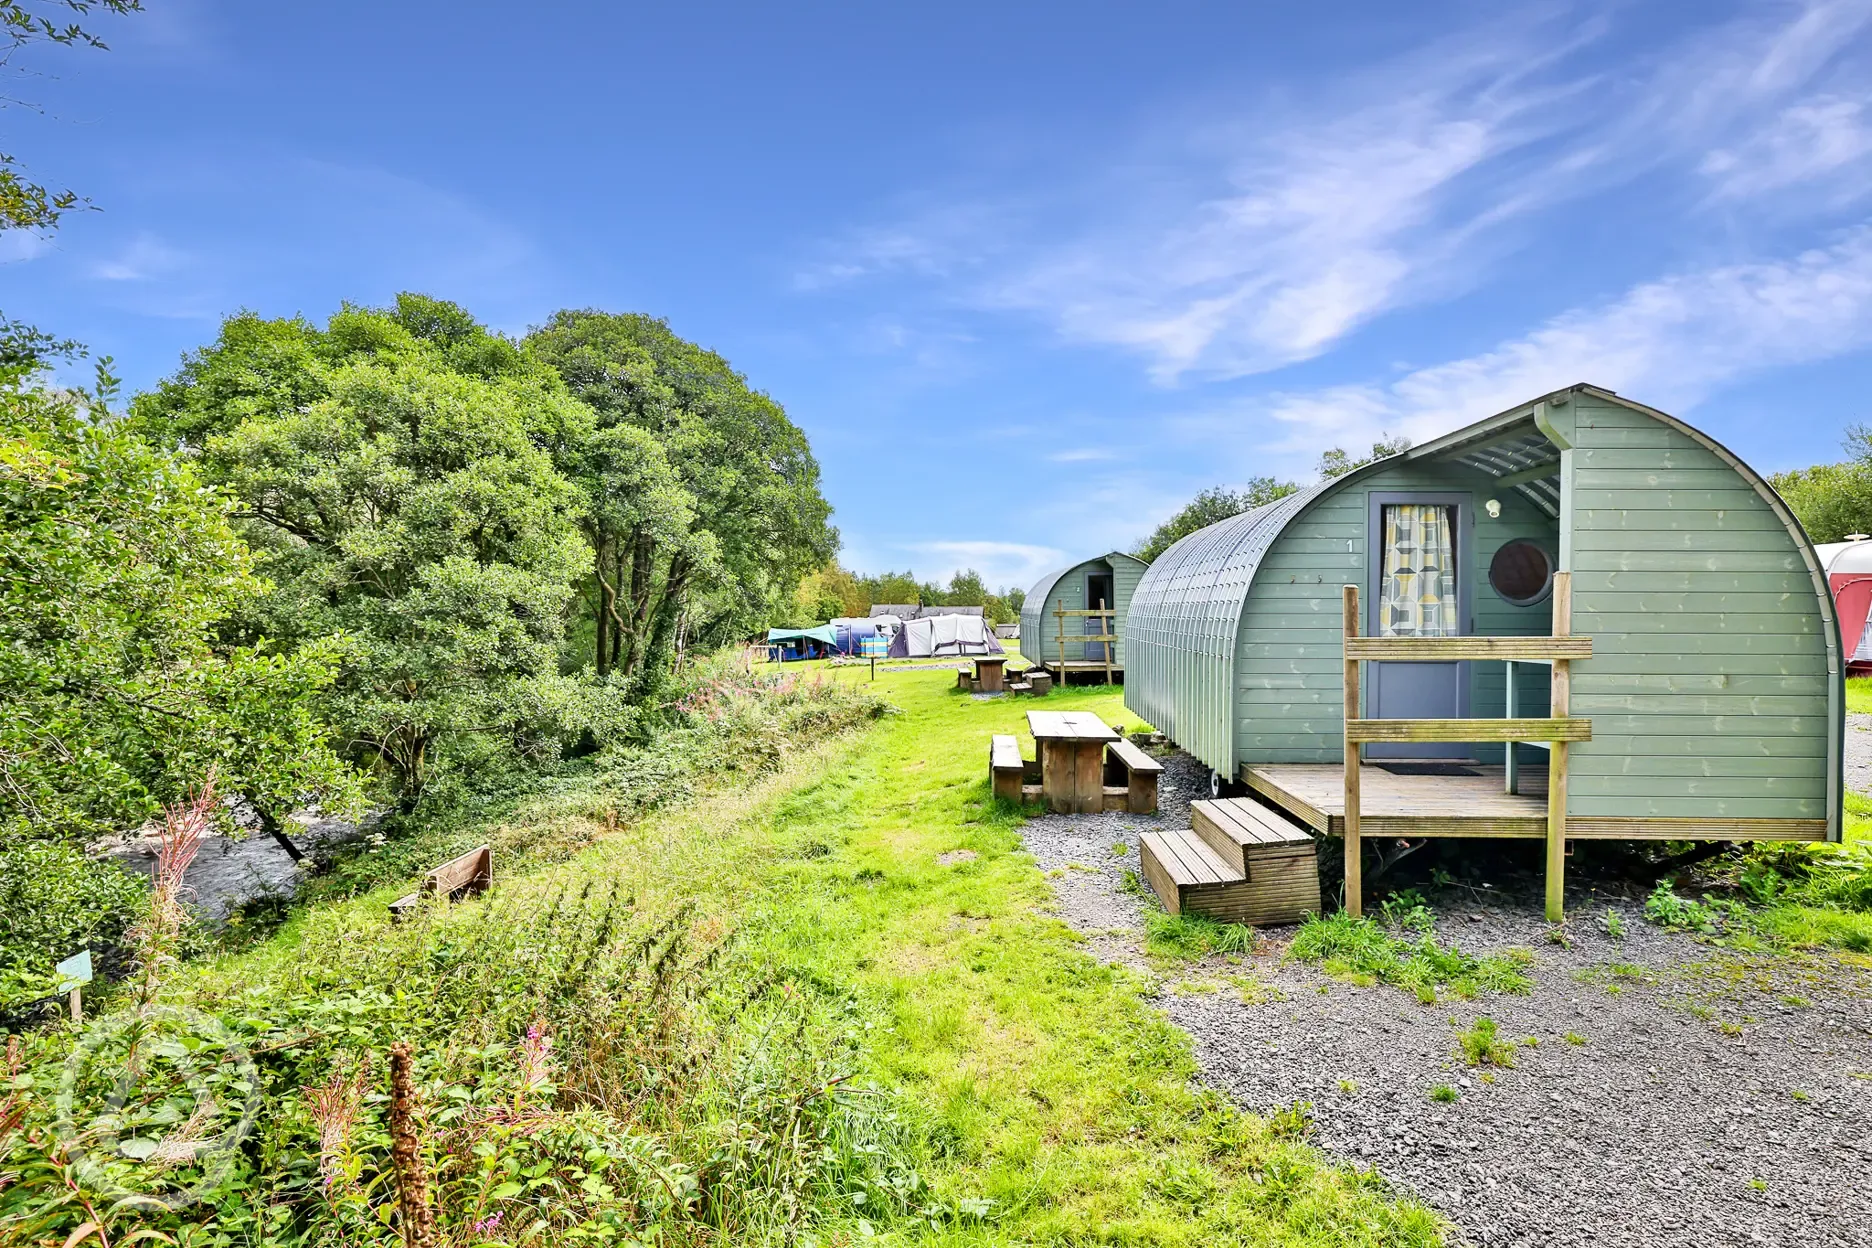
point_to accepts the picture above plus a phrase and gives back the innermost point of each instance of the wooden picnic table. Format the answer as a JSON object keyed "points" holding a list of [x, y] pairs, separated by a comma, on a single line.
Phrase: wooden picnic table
{"points": [[990, 672], [1072, 759]]}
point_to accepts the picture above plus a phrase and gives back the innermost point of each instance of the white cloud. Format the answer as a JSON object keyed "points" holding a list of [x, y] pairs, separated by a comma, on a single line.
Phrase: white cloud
{"points": [[1082, 455], [1247, 238], [1668, 342], [1819, 138], [1001, 564], [144, 258]]}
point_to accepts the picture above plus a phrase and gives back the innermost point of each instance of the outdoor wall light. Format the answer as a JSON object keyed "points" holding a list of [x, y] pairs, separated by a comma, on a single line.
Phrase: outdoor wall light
{"points": [[1493, 507]]}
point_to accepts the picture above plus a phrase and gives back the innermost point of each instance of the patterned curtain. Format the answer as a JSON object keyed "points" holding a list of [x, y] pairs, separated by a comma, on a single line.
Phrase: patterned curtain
{"points": [[1418, 590]]}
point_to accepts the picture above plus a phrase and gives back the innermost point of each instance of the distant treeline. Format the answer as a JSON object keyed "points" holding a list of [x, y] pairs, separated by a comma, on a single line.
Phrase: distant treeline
{"points": [[833, 591]]}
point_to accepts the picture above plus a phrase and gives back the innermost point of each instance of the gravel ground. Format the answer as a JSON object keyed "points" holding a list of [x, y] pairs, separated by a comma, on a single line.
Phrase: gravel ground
{"points": [[1859, 753], [1716, 1099]]}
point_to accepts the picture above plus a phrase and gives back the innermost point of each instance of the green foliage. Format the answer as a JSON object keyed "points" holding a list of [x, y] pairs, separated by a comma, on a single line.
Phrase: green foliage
{"points": [[1483, 1045], [1666, 909], [758, 523], [1336, 462], [55, 901], [1212, 506], [119, 572], [392, 479], [1833, 500], [1614, 924], [1362, 951], [1444, 1094]]}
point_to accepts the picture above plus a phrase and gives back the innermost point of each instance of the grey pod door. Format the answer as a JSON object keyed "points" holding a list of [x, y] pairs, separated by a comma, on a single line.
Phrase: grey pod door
{"points": [[1418, 586]]}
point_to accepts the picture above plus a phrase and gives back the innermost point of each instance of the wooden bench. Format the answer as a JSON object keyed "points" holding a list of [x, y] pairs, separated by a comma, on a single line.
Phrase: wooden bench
{"points": [[965, 680], [1131, 778], [1006, 766], [467, 876]]}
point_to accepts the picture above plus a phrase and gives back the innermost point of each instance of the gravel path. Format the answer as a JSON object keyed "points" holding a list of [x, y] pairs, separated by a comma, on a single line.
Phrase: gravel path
{"points": [[1715, 1099]]}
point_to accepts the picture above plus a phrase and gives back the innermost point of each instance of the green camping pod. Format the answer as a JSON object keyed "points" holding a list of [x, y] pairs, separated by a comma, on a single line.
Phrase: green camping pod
{"points": [[1713, 692], [1056, 629]]}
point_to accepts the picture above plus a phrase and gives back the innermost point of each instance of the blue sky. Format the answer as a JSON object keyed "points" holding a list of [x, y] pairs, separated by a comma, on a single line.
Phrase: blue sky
{"points": [[1028, 275]]}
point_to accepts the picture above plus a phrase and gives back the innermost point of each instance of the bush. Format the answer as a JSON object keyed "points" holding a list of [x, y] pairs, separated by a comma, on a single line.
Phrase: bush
{"points": [[54, 901]]}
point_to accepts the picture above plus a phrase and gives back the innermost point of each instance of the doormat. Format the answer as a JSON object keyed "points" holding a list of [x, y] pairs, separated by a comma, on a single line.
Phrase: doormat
{"points": [[1428, 769]]}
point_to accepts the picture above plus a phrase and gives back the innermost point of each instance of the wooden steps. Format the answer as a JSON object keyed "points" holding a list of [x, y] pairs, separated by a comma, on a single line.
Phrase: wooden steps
{"points": [[1238, 862]]}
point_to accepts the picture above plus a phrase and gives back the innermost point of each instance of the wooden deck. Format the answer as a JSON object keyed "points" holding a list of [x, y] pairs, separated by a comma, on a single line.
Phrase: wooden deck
{"points": [[1476, 805], [1405, 805]]}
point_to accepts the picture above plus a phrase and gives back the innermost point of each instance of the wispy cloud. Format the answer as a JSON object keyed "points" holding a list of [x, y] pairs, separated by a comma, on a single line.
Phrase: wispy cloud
{"points": [[1082, 455], [1823, 138], [143, 258], [1670, 341], [1001, 564], [1220, 247]]}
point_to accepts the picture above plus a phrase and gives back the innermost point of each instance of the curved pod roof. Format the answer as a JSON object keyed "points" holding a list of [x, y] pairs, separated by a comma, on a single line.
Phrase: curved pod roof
{"points": [[1185, 614]]}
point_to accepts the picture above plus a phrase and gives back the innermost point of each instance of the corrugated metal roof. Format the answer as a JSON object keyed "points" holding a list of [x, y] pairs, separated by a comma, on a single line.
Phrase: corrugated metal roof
{"points": [[1182, 626]]}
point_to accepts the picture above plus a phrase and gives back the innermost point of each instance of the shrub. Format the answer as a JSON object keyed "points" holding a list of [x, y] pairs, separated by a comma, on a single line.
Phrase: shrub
{"points": [[55, 901], [1666, 909]]}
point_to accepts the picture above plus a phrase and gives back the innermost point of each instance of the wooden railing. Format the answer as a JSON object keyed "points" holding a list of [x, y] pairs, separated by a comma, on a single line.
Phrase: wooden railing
{"points": [[1108, 639], [1553, 732]]}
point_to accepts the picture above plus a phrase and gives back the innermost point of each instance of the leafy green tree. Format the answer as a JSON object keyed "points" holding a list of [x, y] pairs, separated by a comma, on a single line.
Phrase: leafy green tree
{"points": [[891, 587], [827, 594], [966, 589], [395, 473], [760, 523], [1833, 501], [119, 570], [1212, 506], [1337, 462]]}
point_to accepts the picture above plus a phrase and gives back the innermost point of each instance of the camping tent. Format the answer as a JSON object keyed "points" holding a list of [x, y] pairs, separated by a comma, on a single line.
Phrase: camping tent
{"points": [[851, 634], [944, 635], [786, 644]]}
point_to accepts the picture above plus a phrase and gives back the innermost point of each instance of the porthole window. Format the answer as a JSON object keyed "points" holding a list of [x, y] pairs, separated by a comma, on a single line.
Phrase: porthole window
{"points": [[1521, 572]]}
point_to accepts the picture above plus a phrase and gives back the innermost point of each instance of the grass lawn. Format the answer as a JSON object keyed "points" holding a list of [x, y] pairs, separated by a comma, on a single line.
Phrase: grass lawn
{"points": [[1046, 1098], [1859, 694], [1053, 1090]]}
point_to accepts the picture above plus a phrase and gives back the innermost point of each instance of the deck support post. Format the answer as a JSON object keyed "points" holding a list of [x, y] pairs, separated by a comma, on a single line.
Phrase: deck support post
{"points": [[1354, 876], [1559, 706]]}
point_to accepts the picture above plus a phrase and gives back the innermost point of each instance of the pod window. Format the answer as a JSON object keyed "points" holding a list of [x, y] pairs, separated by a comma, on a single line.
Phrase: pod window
{"points": [[1522, 572]]}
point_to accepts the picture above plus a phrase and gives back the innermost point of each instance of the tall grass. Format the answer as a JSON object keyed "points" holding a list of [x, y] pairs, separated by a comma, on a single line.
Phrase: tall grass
{"points": [[582, 1065]]}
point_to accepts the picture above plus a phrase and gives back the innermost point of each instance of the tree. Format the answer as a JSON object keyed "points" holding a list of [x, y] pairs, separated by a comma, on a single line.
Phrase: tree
{"points": [[966, 589], [119, 569], [1336, 462], [1833, 501], [829, 593], [395, 472], [760, 523], [897, 588], [1211, 506]]}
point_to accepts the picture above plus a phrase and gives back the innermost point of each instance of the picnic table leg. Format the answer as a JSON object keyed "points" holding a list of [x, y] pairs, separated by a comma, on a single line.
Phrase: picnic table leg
{"points": [[1089, 777]]}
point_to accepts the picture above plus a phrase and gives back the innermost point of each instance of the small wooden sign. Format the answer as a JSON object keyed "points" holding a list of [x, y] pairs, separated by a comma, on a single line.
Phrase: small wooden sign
{"points": [[73, 973]]}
